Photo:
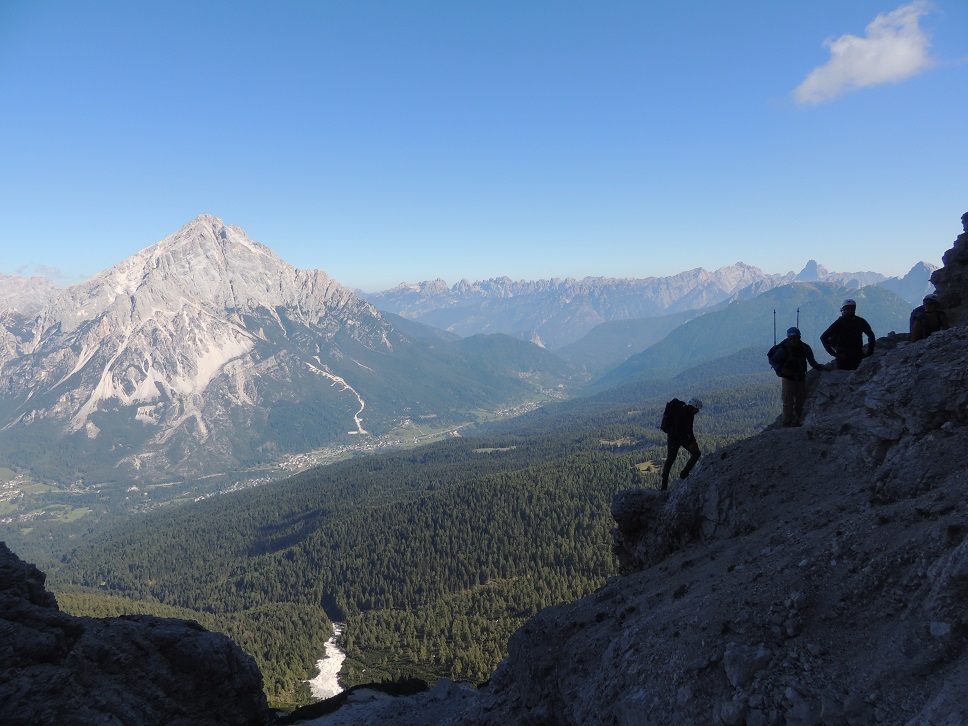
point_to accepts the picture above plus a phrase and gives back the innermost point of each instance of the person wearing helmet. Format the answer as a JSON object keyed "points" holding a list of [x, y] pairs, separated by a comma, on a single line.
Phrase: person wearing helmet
{"points": [[789, 359], [680, 436], [928, 318], [844, 338]]}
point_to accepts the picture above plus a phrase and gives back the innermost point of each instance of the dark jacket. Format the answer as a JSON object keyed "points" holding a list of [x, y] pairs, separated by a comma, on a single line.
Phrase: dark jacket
{"points": [[845, 337], [682, 420], [790, 360], [923, 324]]}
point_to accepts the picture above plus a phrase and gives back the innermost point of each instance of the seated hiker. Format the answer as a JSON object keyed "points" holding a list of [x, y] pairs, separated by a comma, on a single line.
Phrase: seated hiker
{"points": [[680, 435], [928, 318], [789, 359]]}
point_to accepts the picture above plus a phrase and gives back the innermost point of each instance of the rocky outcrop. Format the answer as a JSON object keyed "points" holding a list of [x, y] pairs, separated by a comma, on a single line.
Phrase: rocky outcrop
{"points": [[804, 576], [810, 576], [652, 524], [55, 668], [951, 280]]}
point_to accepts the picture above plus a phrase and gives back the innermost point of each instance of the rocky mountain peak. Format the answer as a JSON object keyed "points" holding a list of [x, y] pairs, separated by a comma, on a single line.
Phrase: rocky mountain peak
{"points": [[152, 335], [205, 265], [203, 254], [918, 271], [811, 272], [26, 295]]}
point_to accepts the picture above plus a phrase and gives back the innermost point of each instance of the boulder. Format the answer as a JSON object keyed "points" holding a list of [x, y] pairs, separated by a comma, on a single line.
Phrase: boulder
{"points": [[951, 281], [55, 668]]}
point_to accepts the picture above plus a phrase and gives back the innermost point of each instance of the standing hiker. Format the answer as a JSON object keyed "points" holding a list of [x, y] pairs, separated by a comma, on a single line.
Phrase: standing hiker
{"points": [[928, 318], [844, 338], [789, 359], [677, 423]]}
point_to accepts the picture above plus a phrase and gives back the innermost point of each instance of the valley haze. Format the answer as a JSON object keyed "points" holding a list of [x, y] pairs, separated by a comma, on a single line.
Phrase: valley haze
{"points": [[206, 352], [205, 363], [417, 553]]}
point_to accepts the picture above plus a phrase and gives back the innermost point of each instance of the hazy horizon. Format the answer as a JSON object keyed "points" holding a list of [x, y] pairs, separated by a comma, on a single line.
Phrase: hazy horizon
{"points": [[400, 142]]}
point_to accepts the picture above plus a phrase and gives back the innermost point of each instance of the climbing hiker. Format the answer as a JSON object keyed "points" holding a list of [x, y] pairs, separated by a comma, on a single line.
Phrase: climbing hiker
{"points": [[844, 338], [928, 318], [789, 359], [677, 423]]}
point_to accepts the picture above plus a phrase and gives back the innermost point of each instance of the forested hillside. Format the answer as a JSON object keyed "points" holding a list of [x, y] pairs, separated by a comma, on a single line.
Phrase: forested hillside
{"points": [[432, 558]]}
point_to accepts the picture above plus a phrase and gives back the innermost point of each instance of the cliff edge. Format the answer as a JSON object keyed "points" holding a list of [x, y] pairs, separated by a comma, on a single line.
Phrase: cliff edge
{"points": [[813, 575], [804, 576], [55, 668]]}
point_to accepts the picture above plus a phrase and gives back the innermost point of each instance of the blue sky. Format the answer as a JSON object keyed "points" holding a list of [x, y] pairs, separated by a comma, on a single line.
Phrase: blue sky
{"points": [[388, 142]]}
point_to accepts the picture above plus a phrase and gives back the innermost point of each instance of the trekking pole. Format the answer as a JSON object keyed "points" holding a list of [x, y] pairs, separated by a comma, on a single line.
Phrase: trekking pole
{"points": [[774, 326], [798, 317]]}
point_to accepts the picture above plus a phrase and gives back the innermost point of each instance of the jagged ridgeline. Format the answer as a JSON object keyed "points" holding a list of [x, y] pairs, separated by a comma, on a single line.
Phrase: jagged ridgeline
{"points": [[431, 558], [207, 353]]}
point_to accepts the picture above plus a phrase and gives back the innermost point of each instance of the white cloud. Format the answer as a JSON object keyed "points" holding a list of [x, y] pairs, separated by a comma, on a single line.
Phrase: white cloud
{"points": [[893, 49]]}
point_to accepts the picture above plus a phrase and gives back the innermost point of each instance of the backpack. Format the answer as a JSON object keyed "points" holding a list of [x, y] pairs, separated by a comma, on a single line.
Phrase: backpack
{"points": [[918, 314], [669, 414], [776, 355]]}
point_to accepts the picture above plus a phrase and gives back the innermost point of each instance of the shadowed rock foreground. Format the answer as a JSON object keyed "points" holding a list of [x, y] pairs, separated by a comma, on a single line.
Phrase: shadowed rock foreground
{"points": [[59, 669]]}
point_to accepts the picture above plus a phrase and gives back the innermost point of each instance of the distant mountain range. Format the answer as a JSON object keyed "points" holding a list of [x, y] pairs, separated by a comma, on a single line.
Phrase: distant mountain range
{"points": [[206, 352], [26, 295], [741, 324], [557, 313]]}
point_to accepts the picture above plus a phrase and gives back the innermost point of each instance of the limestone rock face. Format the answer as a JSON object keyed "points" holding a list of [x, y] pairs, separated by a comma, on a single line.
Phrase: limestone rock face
{"points": [[55, 668], [814, 575], [951, 280], [184, 349]]}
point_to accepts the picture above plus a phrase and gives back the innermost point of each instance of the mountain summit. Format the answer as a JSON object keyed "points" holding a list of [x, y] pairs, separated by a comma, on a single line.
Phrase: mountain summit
{"points": [[206, 352], [160, 326], [206, 265]]}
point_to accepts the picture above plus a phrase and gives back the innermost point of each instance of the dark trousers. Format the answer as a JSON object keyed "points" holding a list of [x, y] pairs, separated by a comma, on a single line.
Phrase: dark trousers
{"points": [[849, 360], [793, 395], [674, 446]]}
